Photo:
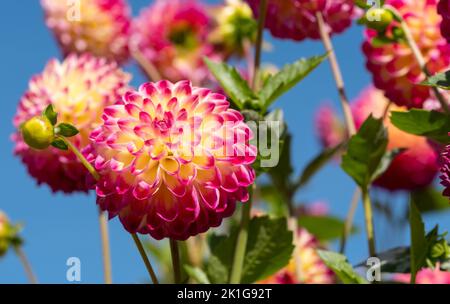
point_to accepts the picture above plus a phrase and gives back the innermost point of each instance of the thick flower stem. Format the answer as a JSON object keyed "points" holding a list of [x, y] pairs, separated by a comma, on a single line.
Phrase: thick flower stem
{"points": [[145, 259], [369, 222], [106, 253], [349, 219], [175, 261], [241, 244], [336, 73], [419, 57], [105, 246], [148, 67], [258, 45], [26, 264]]}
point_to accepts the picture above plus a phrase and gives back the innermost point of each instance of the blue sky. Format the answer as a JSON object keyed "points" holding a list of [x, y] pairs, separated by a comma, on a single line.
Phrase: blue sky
{"points": [[58, 227]]}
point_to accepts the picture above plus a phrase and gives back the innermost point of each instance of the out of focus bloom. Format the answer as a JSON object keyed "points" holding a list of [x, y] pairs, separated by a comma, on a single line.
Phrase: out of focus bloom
{"points": [[296, 19], [444, 11], [173, 37], [173, 160], [330, 129], [445, 170], [234, 27], [311, 268], [414, 168], [79, 88], [101, 27], [425, 276], [8, 234], [393, 65]]}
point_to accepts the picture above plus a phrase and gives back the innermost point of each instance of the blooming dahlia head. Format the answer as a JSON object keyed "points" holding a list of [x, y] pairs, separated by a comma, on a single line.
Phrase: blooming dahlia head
{"points": [[445, 170], [173, 160], [296, 19], [414, 168], [393, 66], [172, 35], [425, 276], [79, 88], [329, 127], [312, 270], [100, 27]]}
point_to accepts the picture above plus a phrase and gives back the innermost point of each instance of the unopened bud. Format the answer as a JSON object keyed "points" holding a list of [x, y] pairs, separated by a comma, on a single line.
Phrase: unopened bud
{"points": [[38, 132], [378, 18]]}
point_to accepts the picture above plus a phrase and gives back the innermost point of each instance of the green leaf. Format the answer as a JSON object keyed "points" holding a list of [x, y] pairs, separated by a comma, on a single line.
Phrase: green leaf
{"points": [[386, 161], [197, 274], [60, 144], [324, 228], [232, 83], [432, 124], [66, 130], [365, 152], [317, 163], [286, 78], [269, 248], [276, 203], [440, 80], [419, 248], [429, 200], [51, 115], [338, 263]]}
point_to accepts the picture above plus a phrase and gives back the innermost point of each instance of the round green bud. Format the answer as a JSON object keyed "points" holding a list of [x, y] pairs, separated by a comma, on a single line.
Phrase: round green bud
{"points": [[378, 18], [38, 132]]}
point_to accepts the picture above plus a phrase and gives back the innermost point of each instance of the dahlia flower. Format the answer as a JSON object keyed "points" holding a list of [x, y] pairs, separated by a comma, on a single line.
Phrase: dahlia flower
{"points": [[173, 160], [234, 26], [312, 270], [100, 27], [445, 170], [78, 88], [393, 66], [173, 37], [330, 129], [425, 276], [414, 168], [296, 19]]}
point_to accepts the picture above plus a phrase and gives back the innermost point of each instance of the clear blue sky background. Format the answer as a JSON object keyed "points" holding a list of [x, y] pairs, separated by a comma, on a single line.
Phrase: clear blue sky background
{"points": [[58, 227]]}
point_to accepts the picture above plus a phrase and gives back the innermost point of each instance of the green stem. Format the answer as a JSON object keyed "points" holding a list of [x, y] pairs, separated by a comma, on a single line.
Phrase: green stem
{"points": [[259, 40], [349, 219], [26, 264], [145, 259], [368, 215], [175, 260], [81, 158], [106, 253], [241, 244]]}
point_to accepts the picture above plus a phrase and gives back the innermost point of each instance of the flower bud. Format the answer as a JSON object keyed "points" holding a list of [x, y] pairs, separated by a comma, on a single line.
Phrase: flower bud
{"points": [[4, 231], [38, 132], [378, 18]]}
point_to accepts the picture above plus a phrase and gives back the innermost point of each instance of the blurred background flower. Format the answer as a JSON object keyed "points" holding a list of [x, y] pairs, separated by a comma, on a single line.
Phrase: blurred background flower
{"points": [[78, 88], [394, 68], [101, 27]]}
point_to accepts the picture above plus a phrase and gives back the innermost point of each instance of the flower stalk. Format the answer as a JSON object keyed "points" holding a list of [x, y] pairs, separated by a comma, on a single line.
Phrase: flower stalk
{"points": [[175, 260], [144, 257], [369, 222], [26, 264]]}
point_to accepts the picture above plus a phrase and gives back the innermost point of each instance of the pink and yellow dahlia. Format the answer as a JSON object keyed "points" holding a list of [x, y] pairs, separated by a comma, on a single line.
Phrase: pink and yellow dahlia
{"points": [[173, 160], [79, 88], [414, 168], [393, 66], [296, 19], [329, 128], [101, 27], [173, 37], [425, 276], [306, 267], [445, 170]]}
